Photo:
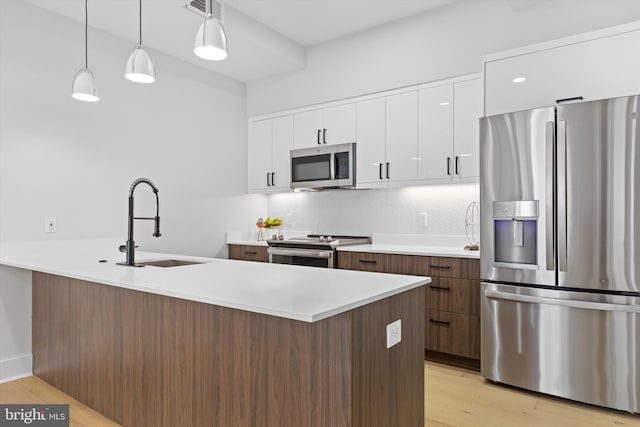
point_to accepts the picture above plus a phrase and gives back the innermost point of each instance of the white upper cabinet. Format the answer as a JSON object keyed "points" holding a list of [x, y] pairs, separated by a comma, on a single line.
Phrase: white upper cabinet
{"points": [[592, 66], [330, 125], [402, 137], [371, 139], [269, 143], [468, 99], [435, 130], [448, 131]]}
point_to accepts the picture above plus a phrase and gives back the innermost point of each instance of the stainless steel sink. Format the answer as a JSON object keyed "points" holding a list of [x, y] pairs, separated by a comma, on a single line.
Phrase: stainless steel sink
{"points": [[170, 263]]}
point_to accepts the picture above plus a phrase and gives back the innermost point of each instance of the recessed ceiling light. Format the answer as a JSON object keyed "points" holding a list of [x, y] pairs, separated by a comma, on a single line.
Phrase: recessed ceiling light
{"points": [[519, 79]]}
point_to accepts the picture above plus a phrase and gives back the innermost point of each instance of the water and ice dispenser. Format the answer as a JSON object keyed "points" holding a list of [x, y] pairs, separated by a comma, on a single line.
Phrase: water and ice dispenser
{"points": [[515, 234]]}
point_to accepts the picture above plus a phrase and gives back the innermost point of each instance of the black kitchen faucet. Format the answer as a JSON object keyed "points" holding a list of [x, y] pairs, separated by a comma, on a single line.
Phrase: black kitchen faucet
{"points": [[130, 247]]}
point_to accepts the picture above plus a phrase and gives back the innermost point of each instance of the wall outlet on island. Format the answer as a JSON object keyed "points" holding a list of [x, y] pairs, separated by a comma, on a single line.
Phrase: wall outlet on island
{"points": [[423, 219], [394, 333], [50, 224]]}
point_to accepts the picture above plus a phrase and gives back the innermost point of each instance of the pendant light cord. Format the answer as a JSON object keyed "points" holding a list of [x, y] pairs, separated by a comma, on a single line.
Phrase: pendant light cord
{"points": [[140, 23], [86, 31]]}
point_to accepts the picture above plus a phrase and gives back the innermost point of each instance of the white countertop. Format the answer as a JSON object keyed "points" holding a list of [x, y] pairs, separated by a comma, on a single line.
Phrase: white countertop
{"points": [[250, 238], [413, 250], [416, 244], [300, 293]]}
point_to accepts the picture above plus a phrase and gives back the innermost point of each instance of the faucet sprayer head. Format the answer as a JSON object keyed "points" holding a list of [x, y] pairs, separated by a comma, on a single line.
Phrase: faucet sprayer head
{"points": [[156, 230]]}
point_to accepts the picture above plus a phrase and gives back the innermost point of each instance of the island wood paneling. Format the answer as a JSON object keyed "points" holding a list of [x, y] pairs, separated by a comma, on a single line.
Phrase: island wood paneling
{"points": [[147, 360], [379, 374]]}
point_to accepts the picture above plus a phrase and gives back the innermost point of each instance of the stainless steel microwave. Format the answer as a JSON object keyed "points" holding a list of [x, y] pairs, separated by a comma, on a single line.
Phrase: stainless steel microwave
{"points": [[325, 167]]}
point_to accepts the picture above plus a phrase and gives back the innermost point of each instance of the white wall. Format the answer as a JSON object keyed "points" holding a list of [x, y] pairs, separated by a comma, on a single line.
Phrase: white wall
{"points": [[362, 212], [432, 46], [73, 160]]}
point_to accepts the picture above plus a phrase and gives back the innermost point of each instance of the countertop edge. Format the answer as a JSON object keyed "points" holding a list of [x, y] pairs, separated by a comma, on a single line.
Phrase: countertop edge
{"points": [[412, 250]]}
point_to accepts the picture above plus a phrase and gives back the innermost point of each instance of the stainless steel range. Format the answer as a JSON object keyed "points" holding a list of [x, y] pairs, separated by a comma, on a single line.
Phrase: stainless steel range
{"points": [[314, 250]]}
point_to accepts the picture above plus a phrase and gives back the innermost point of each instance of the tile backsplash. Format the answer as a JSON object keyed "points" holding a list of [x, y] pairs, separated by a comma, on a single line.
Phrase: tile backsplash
{"points": [[389, 210]]}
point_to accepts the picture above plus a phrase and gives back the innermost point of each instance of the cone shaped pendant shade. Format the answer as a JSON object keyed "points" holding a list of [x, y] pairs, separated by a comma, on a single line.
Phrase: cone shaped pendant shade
{"points": [[140, 66], [84, 84], [211, 40]]}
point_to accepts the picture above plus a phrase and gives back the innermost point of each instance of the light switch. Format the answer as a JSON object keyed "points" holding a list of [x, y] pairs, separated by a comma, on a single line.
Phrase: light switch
{"points": [[394, 333]]}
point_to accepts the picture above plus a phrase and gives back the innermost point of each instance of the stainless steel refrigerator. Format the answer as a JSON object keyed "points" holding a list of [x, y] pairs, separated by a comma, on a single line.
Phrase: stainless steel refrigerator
{"points": [[560, 261]]}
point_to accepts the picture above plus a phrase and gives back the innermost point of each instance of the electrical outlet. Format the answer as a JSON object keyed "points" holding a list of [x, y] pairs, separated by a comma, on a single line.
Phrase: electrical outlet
{"points": [[394, 333], [289, 220], [423, 219], [50, 224]]}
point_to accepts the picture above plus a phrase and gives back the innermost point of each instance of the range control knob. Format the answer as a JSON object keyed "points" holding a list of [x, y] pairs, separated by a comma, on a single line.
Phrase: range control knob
{"points": [[322, 238], [329, 239]]}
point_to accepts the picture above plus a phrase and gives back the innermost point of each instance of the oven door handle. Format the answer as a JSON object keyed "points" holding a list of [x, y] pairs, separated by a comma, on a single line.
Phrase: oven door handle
{"points": [[308, 253]]}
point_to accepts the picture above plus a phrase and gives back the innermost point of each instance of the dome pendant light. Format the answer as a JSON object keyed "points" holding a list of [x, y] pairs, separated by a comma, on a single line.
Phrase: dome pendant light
{"points": [[211, 40], [84, 84], [140, 66]]}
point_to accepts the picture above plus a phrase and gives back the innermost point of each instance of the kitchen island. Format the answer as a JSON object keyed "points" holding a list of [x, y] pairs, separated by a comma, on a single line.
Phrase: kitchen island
{"points": [[224, 343]]}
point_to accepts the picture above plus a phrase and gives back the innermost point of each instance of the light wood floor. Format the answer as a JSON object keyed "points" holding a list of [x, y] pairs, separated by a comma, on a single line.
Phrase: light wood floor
{"points": [[453, 398]]}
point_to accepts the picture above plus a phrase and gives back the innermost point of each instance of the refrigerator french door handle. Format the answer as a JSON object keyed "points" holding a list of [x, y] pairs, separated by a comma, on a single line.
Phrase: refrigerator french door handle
{"points": [[562, 194], [588, 305], [549, 202]]}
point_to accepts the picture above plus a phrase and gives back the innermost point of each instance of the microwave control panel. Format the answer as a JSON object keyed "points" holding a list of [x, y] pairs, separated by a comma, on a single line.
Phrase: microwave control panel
{"points": [[342, 165]]}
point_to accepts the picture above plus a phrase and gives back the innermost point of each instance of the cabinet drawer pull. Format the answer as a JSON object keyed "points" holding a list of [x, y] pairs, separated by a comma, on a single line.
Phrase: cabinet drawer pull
{"points": [[440, 288], [442, 267], [439, 322], [250, 253], [367, 261]]}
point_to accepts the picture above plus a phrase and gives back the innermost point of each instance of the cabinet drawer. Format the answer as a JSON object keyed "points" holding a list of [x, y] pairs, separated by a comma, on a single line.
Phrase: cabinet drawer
{"points": [[452, 333], [248, 253], [412, 265], [454, 295], [362, 261], [454, 267]]}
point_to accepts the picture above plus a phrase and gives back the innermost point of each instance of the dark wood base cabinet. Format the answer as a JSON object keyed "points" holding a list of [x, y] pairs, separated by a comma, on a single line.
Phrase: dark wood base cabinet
{"points": [[248, 253], [147, 360], [452, 300]]}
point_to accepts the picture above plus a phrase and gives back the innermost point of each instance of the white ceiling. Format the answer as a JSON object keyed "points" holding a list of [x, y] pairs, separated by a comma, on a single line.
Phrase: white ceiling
{"points": [[266, 37]]}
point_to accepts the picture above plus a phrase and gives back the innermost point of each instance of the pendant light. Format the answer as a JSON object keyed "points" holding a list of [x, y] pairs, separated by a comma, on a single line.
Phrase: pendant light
{"points": [[84, 84], [140, 66], [211, 40]]}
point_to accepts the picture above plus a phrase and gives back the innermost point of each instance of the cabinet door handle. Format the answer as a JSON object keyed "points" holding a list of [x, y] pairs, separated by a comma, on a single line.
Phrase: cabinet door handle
{"points": [[380, 165], [387, 170], [448, 165], [273, 179], [318, 136], [456, 165], [439, 322], [441, 267], [324, 136], [439, 288], [367, 261], [268, 185], [250, 253]]}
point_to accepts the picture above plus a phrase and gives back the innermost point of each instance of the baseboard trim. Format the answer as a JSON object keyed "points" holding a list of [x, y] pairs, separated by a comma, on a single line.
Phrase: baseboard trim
{"points": [[450, 359], [16, 368]]}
